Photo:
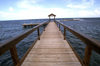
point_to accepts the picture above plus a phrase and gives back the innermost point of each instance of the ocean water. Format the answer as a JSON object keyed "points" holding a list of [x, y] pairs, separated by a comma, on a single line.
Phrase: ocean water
{"points": [[91, 28], [10, 29]]}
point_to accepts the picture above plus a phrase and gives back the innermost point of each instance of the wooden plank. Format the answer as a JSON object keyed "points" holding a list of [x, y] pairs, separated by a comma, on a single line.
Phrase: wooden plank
{"points": [[87, 57], [51, 50], [94, 44], [14, 55], [38, 32], [15, 40], [64, 33], [51, 64], [66, 57], [31, 24]]}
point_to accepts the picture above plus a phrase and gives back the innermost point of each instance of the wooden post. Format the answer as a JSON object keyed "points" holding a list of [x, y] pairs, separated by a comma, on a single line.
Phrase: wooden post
{"points": [[59, 26], [64, 33], [14, 55], [44, 27], [38, 31], [54, 18], [87, 56], [49, 18]]}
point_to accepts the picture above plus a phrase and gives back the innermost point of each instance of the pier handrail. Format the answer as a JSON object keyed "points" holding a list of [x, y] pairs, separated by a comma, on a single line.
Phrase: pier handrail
{"points": [[91, 44], [10, 44]]}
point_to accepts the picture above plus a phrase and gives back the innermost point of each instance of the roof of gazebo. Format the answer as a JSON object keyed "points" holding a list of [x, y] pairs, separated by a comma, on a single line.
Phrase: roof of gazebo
{"points": [[51, 15]]}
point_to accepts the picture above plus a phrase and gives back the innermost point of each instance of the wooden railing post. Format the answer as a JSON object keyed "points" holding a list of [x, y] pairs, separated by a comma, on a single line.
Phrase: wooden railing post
{"points": [[14, 55], [38, 31], [59, 26], [87, 56], [44, 28], [64, 33]]}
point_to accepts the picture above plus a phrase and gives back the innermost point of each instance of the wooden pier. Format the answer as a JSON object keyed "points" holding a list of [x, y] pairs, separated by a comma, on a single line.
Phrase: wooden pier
{"points": [[30, 25], [51, 50], [51, 47]]}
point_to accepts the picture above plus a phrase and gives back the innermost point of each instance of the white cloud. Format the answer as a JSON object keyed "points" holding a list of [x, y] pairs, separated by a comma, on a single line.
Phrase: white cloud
{"points": [[27, 3], [89, 13], [76, 6], [86, 13], [34, 13], [97, 11], [27, 10], [6, 15], [11, 9], [82, 4], [37, 11]]}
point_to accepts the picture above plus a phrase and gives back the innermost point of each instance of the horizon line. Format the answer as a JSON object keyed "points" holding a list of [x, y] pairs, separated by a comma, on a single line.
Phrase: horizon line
{"points": [[47, 18]]}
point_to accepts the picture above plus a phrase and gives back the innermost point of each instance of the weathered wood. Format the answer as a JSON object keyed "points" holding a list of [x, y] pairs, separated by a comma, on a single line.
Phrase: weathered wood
{"points": [[51, 49], [64, 33], [94, 44], [13, 41], [14, 55], [52, 64], [52, 15], [91, 43], [30, 25], [87, 56], [23, 58], [44, 27], [75, 52], [38, 32], [59, 26], [25, 55]]}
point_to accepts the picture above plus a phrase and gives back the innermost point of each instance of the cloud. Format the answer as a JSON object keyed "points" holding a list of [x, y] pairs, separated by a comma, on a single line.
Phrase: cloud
{"points": [[34, 13], [31, 10], [97, 12], [41, 12], [82, 4], [86, 13], [37, 11], [6, 15], [27, 3], [11, 9], [76, 6], [89, 13]]}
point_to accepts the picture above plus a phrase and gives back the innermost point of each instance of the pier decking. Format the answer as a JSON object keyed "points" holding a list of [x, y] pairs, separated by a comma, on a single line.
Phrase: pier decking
{"points": [[51, 47], [51, 50]]}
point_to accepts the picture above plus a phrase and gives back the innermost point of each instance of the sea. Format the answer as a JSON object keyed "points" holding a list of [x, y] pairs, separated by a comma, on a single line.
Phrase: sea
{"points": [[12, 28]]}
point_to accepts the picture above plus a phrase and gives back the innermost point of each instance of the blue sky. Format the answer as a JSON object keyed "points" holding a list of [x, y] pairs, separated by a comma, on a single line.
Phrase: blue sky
{"points": [[34, 9]]}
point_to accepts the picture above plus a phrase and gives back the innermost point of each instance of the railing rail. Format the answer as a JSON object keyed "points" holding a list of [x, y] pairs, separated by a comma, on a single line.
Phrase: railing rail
{"points": [[91, 44], [11, 43]]}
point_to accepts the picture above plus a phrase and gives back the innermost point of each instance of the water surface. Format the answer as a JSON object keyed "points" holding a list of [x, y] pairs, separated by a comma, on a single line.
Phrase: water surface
{"points": [[10, 29]]}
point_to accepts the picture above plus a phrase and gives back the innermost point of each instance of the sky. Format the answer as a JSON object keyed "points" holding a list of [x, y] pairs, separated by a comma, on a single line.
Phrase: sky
{"points": [[36, 9]]}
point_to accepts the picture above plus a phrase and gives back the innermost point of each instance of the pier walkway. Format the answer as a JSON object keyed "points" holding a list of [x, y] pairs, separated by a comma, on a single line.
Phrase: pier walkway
{"points": [[51, 50], [51, 47]]}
